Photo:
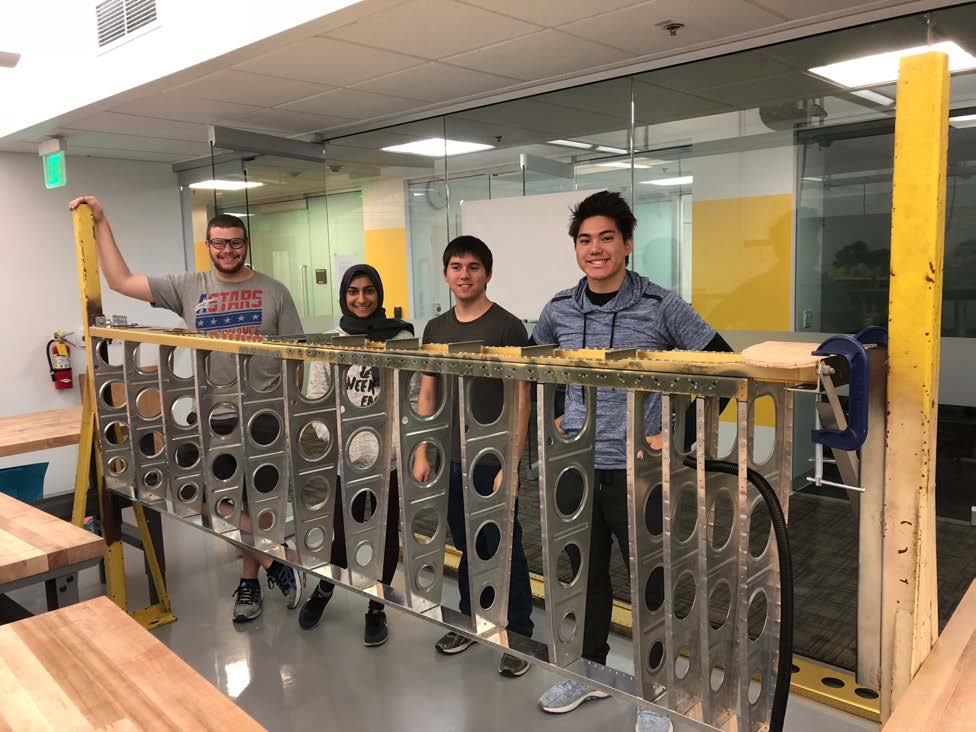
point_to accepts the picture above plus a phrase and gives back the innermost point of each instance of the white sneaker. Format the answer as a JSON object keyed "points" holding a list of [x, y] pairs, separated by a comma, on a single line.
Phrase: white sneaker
{"points": [[567, 695]]}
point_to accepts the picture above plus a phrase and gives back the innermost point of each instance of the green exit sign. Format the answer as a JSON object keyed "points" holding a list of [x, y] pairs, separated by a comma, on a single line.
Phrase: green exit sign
{"points": [[55, 171]]}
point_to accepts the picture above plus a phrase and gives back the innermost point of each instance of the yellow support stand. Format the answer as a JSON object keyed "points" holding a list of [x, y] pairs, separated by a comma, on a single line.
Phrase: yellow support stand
{"points": [[909, 614], [109, 511]]}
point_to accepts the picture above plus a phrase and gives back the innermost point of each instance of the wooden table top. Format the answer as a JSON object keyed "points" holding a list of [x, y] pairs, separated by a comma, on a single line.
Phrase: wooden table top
{"points": [[39, 431], [33, 542], [90, 666], [942, 696]]}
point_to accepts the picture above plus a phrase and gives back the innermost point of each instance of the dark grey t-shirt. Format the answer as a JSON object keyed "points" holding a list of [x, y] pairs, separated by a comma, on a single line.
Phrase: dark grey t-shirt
{"points": [[258, 306], [497, 327]]}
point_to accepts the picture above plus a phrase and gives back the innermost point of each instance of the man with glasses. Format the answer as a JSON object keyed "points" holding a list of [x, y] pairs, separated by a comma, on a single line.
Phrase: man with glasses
{"points": [[233, 300]]}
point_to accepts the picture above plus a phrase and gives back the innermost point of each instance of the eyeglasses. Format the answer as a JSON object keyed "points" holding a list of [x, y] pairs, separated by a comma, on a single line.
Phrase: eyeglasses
{"points": [[219, 244]]}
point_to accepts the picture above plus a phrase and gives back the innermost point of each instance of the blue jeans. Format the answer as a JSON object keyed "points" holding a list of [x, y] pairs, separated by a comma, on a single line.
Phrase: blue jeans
{"points": [[520, 591]]}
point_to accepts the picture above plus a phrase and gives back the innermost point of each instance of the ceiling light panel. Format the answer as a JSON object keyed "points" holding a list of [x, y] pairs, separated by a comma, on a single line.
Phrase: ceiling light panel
{"points": [[882, 68], [436, 147], [684, 180], [225, 185]]}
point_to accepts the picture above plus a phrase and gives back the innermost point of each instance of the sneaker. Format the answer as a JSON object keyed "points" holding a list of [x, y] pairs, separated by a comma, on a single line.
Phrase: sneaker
{"points": [[648, 721], [377, 631], [311, 612], [248, 605], [567, 695], [512, 666], [288, 580], [453, 643]]}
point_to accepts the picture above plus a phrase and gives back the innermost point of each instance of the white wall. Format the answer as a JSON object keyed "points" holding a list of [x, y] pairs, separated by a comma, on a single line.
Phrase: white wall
{"points": [[39, 274]]}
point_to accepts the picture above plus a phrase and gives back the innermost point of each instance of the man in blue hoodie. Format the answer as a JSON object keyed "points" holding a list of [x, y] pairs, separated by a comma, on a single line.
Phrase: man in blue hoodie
{"points": [[612, 307]]}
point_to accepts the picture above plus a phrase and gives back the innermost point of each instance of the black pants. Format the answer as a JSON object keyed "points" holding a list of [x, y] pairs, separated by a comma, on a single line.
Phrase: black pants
{"points": [[391, 548], [609, 522], [519, 588]]}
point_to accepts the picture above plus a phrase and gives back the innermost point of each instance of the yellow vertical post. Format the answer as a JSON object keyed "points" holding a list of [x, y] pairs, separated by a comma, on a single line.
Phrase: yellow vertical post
{"points": [[91, 305], [909, 593]]}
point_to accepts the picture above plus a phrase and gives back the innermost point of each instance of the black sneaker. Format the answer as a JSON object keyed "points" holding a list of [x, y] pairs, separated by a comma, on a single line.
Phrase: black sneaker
{"points": [[512, 666], [311, 612], [248, 605], [453, 643], [377, 631]]}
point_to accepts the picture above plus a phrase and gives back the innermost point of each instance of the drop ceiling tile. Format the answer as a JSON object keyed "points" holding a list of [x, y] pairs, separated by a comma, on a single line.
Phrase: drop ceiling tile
{"points": [[328, 61], [175, 106], [635, 29], [796, 9], [407, 28], [771, 91], [243, 87], [132, 124], [716, 71], [537, 56], [354, 105], [551, 13], [435, 82], [283, 120]]}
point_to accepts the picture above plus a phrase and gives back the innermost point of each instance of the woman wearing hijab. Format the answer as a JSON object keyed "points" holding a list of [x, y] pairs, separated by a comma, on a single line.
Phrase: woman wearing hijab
{"points": [[361, 302]]}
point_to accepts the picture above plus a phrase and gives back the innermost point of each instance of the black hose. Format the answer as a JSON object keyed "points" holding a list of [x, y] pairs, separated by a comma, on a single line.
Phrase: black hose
{"points": [[784, 670]]}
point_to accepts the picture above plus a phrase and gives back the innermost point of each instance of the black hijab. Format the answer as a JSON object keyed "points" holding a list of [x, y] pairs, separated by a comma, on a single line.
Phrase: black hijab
{"points": [[377, 327]]}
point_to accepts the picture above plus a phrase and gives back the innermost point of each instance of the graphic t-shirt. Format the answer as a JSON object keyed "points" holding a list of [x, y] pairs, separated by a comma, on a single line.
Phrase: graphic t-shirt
{"points": [[258, 306]]}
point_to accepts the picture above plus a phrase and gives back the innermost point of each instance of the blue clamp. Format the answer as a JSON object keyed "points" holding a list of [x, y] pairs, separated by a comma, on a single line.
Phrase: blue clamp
{"points": [[852, 349]]}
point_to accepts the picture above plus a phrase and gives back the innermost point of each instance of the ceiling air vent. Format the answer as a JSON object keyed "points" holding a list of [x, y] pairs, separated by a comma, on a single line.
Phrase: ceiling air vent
{"points": [[118, 18]]}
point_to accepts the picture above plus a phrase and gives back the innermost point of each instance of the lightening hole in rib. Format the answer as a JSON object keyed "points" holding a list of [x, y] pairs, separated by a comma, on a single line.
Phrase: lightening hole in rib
{"points": [[224, 466], [265, 478], [721, 519], [656, 656], [758, 612], [187, 492], [684, 595], [363, 448], [364, 506], [112, 394], [654, 589], [314, 538], [186, 455], [567, 627], [570, 493], [183, 412], [487, 598], [719, 604], [425, 525], [568, 565], [654, 511], [364, 554], [487, 541], [759, 529], [314, 440], [425, 578], [151, 444], [315, 493], [685, 514], [265, 428], [225, 507], [148, 403], [223, 419], [266, 520], [117, 466]]}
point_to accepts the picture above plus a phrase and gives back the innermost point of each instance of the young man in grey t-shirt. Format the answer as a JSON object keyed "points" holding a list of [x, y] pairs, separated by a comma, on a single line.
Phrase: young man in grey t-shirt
{"points": [[231, 299]]}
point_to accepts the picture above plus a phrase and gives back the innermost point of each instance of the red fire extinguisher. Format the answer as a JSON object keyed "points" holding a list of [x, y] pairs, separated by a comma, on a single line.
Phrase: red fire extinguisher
{"points": [[59, 361]]}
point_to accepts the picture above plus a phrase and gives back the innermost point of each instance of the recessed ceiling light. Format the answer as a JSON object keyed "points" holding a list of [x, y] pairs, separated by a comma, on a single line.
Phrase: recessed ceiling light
{"points": [[613, 150], [437, 147], [571, 143], [684, 180], [882, 68], [874, 97], [225, 185], [620, 164], [963, 120]]}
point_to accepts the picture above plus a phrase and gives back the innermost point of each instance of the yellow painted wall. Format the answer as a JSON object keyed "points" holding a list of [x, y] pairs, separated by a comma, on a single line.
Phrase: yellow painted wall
{"points": [[386, 249], [742, 262], [201, 256]]}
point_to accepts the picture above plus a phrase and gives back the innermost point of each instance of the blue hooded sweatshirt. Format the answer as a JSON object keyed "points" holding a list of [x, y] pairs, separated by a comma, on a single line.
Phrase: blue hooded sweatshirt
{"points": [[642, 315]]}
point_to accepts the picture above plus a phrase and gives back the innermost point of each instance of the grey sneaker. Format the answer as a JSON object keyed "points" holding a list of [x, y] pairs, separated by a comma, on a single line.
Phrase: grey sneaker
{"points": [[453, 643], [512, 666], [648, 721], [248, 605], [567, 695], [288, 580]]}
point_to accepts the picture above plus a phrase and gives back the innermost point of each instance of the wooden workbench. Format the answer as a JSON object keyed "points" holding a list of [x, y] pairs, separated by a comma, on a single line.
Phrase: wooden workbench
{"points": [[942, 696], [39, 431], [91, 666]]}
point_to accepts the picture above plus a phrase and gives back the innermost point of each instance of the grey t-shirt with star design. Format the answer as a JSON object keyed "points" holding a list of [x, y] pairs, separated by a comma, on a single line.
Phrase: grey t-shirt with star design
{"points": [[260, 305]]}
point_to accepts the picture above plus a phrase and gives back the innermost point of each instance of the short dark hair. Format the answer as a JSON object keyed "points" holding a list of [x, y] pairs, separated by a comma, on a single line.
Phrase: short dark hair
{"points": [[605, 203], [226, 221], [468, 245]]}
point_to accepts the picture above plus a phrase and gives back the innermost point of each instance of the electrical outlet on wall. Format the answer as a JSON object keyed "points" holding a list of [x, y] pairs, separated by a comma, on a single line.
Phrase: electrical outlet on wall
{"points": [[807, 318]]}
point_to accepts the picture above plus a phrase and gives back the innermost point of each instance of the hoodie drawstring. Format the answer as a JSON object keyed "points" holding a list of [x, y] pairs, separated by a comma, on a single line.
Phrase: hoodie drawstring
{"points": [[613, 327]]}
